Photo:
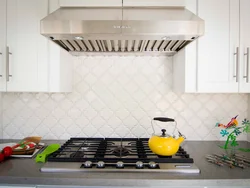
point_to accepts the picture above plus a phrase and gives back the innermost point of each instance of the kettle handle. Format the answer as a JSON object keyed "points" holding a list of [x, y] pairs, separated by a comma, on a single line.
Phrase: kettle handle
{"points": [[164, 119]]}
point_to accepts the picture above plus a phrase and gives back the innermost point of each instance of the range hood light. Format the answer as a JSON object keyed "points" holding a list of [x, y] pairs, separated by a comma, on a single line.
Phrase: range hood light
{"points": [[165, 38], [79, 38]]}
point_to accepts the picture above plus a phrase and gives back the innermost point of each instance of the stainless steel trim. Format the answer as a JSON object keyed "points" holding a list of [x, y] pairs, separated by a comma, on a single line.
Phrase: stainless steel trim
{"points": [[247, 65], [8, 53], [237, 65], [163, 167]]}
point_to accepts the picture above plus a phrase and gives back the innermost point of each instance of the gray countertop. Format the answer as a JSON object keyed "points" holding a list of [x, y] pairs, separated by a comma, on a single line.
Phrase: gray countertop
{"points": [[27, 172]]}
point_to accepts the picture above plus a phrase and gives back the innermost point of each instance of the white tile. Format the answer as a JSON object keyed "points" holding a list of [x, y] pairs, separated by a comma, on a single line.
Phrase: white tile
{"points": [[90, 113], [34, 104], [106, 113], [25, 97], [66, 104], [89, 130], [98, 122], [58, 97], [82, 121], [114, 122], [42, 112], [42, 97], [49, 122], [122, 113], [58, 113], [66, 122], [73, 131], [117, 97]]}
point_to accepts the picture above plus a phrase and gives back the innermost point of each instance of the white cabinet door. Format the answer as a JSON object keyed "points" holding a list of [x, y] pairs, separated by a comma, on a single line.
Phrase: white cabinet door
{"points": [[244, 46], [90, 3], [217, 60], [26, 45], [2, 44]]}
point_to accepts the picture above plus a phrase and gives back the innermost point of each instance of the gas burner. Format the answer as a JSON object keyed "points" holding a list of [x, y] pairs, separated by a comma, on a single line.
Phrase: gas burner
{"points": [[121, 151], [116, 155], [78, 154]]}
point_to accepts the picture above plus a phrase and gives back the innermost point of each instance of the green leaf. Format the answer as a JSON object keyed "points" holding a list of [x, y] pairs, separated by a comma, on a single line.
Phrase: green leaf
{"points": [[232, 137], [234, 143], [244, 149], [247, 129]]}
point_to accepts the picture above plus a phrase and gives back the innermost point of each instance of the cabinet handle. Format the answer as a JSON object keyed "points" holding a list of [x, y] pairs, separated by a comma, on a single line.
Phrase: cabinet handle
{"points": [[237, 64], [0, 74], [247, 66], [8, 64]]}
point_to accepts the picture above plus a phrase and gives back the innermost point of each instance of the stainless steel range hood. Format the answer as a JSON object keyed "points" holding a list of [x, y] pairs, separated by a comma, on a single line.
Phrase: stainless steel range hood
{"points": [[122, 30]]}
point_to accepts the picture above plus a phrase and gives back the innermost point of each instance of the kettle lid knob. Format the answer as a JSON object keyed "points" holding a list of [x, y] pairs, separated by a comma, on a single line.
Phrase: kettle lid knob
{"points": [[163, 132]]}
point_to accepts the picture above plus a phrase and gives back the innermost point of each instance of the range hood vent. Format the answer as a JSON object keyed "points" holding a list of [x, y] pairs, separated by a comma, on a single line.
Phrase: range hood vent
{"points": [[83, 31], [151, 46]]}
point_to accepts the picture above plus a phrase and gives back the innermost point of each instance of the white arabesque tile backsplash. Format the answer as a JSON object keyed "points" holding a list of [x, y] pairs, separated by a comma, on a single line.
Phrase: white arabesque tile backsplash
{"points": [[117, 96]]}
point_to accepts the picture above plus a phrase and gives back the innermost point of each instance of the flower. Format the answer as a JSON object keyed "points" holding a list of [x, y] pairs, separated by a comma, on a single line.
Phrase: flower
{"points": [[237, 132], [224, 132], [245, 121]]}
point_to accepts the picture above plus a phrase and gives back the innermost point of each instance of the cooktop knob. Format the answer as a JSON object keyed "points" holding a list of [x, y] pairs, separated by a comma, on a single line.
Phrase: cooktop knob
{"points": [[152, 164], [100, 164], [88, 164], [119, 164], [139, 164]]}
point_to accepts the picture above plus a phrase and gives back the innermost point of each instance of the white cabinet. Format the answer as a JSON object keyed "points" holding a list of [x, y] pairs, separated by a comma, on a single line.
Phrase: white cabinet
{"points": [[244, 57], [27, 48], [32, 64], [218, 63], [2, 42], [90, 3], [217, 58]]}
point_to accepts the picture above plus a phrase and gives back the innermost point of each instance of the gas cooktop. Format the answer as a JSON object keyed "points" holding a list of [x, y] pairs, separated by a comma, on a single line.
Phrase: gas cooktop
{"points": [[115, 155]]}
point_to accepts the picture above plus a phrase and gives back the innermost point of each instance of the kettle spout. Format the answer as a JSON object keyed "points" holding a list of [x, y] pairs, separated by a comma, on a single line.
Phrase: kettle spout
{"points": [[180, 139]]}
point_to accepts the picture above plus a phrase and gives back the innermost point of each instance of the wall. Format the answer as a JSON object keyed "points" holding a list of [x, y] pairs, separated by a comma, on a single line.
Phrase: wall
{"points": [[118, 97]]}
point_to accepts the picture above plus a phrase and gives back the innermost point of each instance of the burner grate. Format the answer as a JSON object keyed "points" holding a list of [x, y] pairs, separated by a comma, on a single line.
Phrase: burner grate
{"points": [[102, 149]]}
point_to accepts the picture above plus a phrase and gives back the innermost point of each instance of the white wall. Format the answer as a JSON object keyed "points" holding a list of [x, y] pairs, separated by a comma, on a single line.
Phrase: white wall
{"points": [[118, 97]]}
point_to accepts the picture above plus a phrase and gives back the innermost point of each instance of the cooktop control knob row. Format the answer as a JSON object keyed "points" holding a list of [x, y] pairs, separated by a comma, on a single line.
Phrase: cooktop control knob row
{"points": [[119, 164], [88, 164], [100, 164], [152, 164], [139, 164]]}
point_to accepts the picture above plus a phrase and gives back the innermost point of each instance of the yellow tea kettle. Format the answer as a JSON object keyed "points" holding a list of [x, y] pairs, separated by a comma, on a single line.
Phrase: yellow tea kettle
{"points": [[164, 144]]}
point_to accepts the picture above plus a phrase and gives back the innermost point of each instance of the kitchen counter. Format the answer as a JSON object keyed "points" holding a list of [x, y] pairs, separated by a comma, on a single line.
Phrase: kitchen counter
{"points": [[26, 172]]}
